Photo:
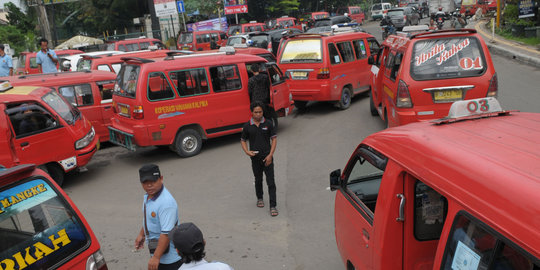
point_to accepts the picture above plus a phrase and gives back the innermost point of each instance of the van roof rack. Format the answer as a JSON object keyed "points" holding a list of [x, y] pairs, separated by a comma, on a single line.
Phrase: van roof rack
{"points": [[136, 59], [29, 76], [172, 53], [465, 30]]}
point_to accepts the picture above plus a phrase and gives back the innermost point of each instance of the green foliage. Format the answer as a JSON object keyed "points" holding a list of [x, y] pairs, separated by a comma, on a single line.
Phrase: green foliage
{"points": [[283, 7], [206, 7], [511, 13], [18, 19], [17, 39]]}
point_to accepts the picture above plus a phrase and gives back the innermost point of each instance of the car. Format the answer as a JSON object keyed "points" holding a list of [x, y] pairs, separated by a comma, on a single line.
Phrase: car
{"points": [[329, 67], [113, 63], [69, 63], [418, 8], [42, 228], [413, 16], [398, 18], [282, 23], [28, 65], [38, 126], [378, 11], [201, 40], [417, 76], [340, 19], [354, 12], [237, 39], [134, 44]]}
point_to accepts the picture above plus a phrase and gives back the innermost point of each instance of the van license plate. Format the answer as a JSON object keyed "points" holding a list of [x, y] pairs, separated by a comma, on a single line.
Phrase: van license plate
{"points": [[299, 74], [448, 95], [123, 110]]}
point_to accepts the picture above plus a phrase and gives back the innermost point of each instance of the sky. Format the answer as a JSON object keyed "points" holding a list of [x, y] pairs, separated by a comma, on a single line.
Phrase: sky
{"points": [[2, 2]]}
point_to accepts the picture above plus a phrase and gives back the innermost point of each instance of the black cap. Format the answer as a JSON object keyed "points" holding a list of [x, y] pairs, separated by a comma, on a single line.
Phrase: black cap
{"points": [[187, 238], [149, 172]]}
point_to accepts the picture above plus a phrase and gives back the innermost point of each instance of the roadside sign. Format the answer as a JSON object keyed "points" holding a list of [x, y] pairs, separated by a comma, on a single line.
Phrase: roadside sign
{"points": [[235, 6], [165, 7], [180, 6]]}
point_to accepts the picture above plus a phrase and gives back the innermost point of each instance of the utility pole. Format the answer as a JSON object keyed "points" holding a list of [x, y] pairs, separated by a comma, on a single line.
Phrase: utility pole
{"points": [[43, 19]]}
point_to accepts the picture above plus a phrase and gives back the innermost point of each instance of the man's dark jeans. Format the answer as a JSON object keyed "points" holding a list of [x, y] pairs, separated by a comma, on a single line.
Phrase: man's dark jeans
{"points": [[257, 164]]}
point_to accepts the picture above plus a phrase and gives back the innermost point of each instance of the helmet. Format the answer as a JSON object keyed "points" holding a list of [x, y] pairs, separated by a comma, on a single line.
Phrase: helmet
{"points": [[249, 42], [440, 8]]}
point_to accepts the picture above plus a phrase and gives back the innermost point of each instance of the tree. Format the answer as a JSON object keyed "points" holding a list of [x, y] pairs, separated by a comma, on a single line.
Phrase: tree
{"points": [[23, 22], [283, 7], [16, 39]]}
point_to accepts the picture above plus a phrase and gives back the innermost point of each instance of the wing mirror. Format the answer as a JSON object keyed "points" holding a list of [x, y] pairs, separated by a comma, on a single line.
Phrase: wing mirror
{"points": [[335, 179], [370, 60]]}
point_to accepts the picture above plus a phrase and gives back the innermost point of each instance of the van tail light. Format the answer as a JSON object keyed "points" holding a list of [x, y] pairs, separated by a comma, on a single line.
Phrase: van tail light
{"points": [[403, 98], [324, 73], [404, 17], [96, 261], [115, 110], [138, 112], [385, 11], [493, 88]]}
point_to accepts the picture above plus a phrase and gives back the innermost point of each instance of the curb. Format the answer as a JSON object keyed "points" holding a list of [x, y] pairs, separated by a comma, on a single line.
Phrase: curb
{"points": [[503, 51]]}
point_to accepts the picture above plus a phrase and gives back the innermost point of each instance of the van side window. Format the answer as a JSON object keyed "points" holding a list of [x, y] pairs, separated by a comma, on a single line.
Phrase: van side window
{"points": [[144, 45], [106, 89], [122, 48], [430, 209], [380, 55], [78, 95], [132, 47], [190, 82], [346, 51], [225, 78], [333, 54], [158, 87], [33, 63], [116, 67], [364, 178], [359, 49], [389, 62], [30, 118], [373, 45], [472, 243], [104, 67], [275, 74], [223, 36]]}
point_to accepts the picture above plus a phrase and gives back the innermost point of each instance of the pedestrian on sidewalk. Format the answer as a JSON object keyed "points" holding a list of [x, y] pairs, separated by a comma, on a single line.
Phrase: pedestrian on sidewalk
{"points": [[262, 144], [6, 63], [160, 215], [46, 58], [189, 243]]}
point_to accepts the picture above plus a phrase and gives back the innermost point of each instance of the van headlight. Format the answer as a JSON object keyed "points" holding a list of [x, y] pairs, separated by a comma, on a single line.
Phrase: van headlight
{"points": [[86, 140]]}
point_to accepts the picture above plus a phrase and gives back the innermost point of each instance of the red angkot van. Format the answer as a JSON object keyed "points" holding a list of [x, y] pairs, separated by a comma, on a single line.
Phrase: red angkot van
{"points": [[89, 91], [38, 126], [455, 193], [201, 40], [182, 100], [40, 226], [28, 65], [113, 63], [327, 67]]}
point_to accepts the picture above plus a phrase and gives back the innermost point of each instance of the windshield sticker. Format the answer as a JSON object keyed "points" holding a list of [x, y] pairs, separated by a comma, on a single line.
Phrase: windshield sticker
{"points": [[465, 258], [467, 63], [36, 252], [443, 54], [20, 197]]}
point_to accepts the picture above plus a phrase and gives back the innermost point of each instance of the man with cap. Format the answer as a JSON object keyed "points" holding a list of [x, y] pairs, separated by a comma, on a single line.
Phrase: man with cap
{"points": [[189, 243], [160, 216]]}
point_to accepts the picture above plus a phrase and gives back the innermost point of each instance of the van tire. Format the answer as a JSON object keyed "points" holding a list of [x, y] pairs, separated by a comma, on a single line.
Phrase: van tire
{"points": [[346, 98], [188, 143], [56, 173], [300, 104], [372, 109]]}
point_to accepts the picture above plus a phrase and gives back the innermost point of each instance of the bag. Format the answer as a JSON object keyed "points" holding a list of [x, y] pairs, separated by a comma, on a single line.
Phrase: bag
{"points": [[152, 245]]}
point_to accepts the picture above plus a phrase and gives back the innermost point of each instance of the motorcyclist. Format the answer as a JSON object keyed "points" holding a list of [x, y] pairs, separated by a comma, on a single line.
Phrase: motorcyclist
{"points": [[388, 26], [439, 18]]}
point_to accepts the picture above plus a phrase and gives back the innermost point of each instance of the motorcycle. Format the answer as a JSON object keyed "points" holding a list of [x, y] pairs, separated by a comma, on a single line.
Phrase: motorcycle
{"points": [[388, 30], [440, 21]]}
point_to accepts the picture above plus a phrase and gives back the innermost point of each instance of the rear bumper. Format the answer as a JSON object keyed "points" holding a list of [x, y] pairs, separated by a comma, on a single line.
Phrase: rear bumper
{"points": [[417, 114], [311, 92]]}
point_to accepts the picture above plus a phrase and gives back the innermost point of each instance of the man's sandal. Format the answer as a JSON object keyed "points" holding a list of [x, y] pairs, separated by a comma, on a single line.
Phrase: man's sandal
{"points": [[260, 203], [273, 211]]}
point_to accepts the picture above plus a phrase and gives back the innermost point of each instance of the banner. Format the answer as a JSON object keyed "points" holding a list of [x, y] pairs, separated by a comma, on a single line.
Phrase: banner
{"points": [[165, 7], [235, 6], [212, 24], [526, 8]]}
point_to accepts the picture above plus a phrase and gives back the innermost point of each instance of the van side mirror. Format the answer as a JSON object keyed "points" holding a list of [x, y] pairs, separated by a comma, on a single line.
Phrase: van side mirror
{"points": [[335, 179], [286, 76], [371, 60]]}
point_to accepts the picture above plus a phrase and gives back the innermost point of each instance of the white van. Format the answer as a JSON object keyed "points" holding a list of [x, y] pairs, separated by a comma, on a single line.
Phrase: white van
{"points": [[378, 11]]}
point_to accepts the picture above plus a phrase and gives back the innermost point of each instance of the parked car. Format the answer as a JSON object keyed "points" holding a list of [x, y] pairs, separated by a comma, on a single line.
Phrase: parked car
{"points": [[378, 11], [283, 22], [201, 40], [354, 12], [398, 18], [69, 63], [340, 19], [422, 12], [28, 65]]}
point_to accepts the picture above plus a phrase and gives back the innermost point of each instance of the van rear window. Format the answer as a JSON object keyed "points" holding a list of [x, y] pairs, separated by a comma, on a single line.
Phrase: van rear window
{"points": [[38, 227], [302, 51], [185, 38], [455, 57], [126, 82]]}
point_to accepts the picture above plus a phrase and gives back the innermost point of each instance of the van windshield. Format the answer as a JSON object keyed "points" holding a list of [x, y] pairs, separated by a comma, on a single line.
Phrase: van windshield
{"points": [[376, 7], [126, 82], [69, 113], [186, 37], [302, 50], [84, 64], [454, 57], [37, 224]]}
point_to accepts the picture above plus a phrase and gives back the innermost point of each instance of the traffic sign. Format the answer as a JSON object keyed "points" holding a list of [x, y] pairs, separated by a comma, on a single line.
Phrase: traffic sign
{"points": [[180, 5]]}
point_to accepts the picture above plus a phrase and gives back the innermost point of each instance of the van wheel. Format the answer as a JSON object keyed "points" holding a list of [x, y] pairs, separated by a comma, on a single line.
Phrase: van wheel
{"points": [[345, 101], [300, 104], [372, 108], [56, 173], [188, 143]]}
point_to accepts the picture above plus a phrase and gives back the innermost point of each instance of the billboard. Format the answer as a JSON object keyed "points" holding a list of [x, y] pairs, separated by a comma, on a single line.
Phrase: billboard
{"points": [[165, 7], [235, 6], [212, 24]]}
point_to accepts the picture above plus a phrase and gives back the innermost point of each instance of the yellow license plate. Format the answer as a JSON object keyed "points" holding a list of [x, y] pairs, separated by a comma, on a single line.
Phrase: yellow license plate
{"points": [[447, 95], [185, 48], [123, 110], [299, 74]]}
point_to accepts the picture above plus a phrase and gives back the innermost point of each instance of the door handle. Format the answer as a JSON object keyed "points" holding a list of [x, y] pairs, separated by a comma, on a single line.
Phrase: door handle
{"points": [[24, 144], [107, 107], [365, 237], [401, 216], [275, 91]]}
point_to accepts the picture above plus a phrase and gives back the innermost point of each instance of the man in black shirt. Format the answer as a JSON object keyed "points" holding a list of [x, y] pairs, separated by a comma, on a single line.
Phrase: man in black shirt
{"points": [[259, 88], [262, 144]]}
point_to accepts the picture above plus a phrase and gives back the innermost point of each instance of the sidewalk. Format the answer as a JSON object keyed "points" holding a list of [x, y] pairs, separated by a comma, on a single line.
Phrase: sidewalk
{"points": [[525, 54]]}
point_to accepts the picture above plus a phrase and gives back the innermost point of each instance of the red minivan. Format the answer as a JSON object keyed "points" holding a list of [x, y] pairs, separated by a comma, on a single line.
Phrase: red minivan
{"points": [[113, 63], [182, 100], [38, 126], [40, 226], [89, 91], [201, 40], [327, 67], [28, 65]]}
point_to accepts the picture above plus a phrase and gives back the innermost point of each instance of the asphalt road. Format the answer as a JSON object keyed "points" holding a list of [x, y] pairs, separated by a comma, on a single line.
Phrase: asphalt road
{"points": [[215, 189]]}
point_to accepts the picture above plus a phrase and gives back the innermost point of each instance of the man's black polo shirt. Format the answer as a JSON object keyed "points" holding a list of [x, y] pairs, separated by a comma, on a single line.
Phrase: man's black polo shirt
{"points": [[259, 137]]}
